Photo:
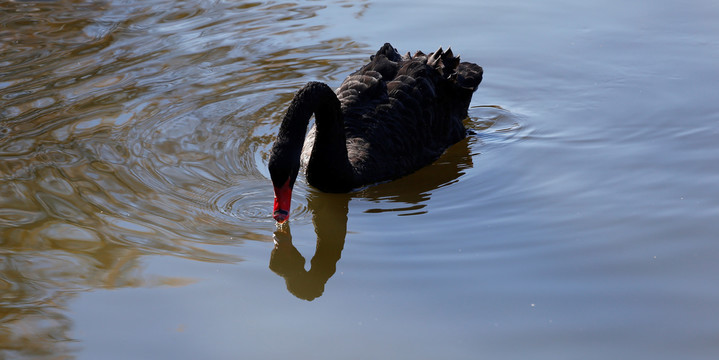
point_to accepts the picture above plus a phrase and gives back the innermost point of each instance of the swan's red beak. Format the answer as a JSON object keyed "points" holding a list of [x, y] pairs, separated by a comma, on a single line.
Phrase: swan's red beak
{"points": [[283, 196]]}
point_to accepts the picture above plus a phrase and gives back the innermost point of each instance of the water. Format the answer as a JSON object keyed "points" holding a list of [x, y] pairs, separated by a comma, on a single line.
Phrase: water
{"points": [[579, 221]]}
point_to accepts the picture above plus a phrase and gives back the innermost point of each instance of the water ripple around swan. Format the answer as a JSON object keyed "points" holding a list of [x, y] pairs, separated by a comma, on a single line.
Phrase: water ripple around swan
{"points": [[133, 129]]}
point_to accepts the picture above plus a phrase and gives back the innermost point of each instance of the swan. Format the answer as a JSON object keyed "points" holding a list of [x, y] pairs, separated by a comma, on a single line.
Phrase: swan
{"points": [[390, 118]]}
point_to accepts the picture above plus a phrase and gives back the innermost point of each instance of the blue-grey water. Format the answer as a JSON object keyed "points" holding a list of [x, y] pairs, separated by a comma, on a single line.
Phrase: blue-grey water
{"points": [[580, 221]]}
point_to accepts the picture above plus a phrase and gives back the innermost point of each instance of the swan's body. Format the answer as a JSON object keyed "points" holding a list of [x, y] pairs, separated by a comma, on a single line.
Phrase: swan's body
{"points": [[388, 119]]}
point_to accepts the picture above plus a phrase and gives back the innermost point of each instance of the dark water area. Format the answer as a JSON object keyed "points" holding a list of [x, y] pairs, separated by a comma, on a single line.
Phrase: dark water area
{"points": [[578, 221]]}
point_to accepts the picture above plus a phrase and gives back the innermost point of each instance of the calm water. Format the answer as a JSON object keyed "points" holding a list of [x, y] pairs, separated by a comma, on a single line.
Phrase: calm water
{"points": [[580, 222]]}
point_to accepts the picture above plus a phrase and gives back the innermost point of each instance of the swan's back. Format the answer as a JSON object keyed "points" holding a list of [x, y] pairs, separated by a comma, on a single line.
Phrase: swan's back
{"points": [[402, 112]]}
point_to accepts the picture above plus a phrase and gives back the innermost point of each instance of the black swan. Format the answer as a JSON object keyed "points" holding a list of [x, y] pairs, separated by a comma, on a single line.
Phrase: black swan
{"points": [[388, 119]]}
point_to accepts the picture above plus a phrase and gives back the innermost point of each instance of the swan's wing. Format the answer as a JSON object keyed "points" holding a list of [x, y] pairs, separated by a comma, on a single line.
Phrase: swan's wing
{"points": [[402, 112], [366, 87], [366, 90]]}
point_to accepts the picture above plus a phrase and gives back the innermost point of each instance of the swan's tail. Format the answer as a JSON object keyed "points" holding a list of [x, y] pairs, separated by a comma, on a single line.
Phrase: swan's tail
{"points": [[466, 75], [469, 75], [388, 51]]}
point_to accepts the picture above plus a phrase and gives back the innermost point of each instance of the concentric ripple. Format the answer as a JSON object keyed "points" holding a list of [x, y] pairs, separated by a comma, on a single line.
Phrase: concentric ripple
{"points": [[494, 125], [253, 204]]}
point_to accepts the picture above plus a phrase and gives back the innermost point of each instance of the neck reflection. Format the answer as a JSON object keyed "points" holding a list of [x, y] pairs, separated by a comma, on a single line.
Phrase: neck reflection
{"points": [[329, 216]]}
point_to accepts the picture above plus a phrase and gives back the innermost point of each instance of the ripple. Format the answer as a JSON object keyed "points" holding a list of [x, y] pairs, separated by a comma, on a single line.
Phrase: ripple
{"points": [[15, 217], [71, 237], [494, 125], [254, 205], [144, 128]]}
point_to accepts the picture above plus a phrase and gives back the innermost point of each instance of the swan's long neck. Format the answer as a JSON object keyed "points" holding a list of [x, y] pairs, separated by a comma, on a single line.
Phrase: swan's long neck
{"points": [[328, 168]]}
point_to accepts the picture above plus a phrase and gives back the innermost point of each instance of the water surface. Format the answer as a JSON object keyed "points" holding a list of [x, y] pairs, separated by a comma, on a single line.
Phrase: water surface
{"points": [[579, 221]]}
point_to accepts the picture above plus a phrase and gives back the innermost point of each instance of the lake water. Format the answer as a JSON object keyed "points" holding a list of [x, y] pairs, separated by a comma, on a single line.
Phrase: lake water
{"points": [[581, 221]]}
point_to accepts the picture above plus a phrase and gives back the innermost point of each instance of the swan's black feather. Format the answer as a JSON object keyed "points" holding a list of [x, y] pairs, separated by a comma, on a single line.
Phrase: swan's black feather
{"points": [[409, 115], [399, 113]]}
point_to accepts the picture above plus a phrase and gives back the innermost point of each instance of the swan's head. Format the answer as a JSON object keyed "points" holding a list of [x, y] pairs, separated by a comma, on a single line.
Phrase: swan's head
{"points": [[283, 171]]}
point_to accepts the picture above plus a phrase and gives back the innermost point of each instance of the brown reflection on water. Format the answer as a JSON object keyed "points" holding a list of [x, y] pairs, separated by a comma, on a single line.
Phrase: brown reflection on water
{"points": [[408, 195], [130, 129]]}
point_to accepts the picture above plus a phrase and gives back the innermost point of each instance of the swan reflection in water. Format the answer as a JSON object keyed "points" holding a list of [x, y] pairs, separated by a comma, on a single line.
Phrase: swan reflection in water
{"points": [[329, 217]]}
